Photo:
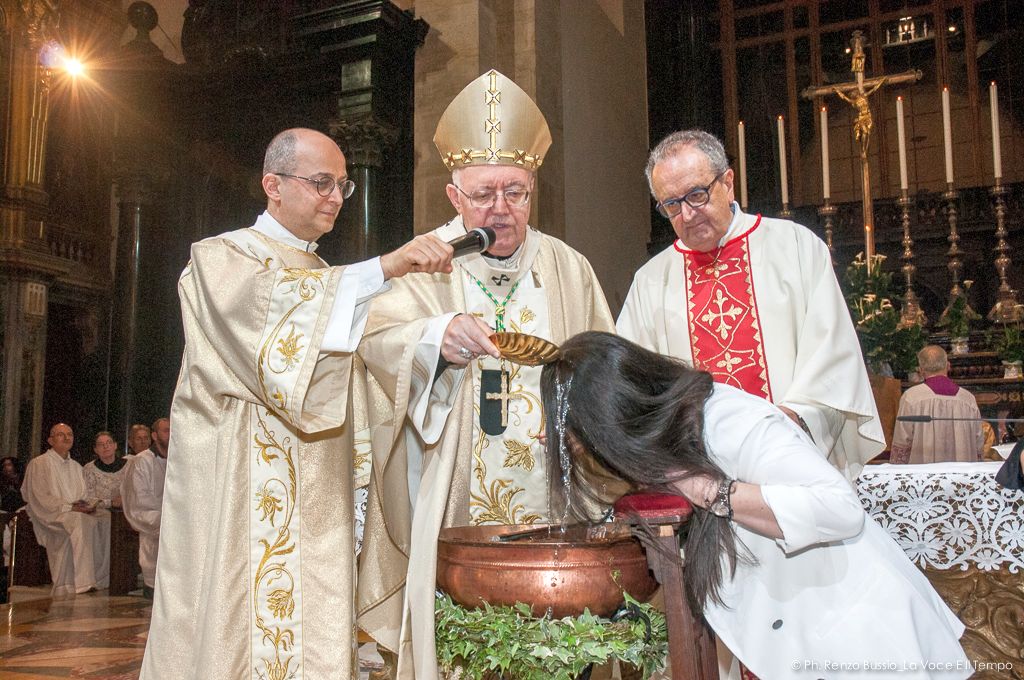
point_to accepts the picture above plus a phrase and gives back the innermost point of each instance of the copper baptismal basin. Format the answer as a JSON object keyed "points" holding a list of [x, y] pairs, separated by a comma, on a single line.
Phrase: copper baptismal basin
{"points": [[544, 567]]}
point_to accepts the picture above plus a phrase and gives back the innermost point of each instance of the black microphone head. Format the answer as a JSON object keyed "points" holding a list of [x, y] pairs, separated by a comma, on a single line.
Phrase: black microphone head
{"points": [[488, 235]]}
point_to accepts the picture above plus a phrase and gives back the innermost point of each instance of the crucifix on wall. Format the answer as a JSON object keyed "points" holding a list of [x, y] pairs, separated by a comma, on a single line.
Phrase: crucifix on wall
{"points": [[856, 93]]}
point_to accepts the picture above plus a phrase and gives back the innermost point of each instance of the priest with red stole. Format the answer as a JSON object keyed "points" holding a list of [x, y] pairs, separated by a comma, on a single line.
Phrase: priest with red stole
{"points": [[752, 300]]}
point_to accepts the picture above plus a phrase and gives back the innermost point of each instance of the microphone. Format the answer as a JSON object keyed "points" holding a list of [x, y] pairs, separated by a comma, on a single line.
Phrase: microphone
{"points": [[476, 241], [928, 419]]}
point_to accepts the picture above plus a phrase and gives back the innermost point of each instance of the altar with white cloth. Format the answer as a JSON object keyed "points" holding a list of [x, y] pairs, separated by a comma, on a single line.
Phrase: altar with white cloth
{"points": [[966, 533]]}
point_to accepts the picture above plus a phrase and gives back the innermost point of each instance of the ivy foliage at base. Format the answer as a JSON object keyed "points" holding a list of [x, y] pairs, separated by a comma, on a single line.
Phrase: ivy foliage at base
{"points": [[509, 642]]}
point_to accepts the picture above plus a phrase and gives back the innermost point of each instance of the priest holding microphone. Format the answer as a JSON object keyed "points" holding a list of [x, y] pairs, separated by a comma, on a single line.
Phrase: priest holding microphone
{"points": [[458, 442]]}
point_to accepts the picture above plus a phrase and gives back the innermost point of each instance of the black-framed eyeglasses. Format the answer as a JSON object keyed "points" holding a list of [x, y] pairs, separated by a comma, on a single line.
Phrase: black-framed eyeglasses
{"points": [[325, 185], [696, 198], [486, 198]]}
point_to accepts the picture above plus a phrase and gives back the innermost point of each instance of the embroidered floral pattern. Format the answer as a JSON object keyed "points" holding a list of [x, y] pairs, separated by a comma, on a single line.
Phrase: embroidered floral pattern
{"points": [[275, 583], [948, 520], [289, 348], [518, 454]]}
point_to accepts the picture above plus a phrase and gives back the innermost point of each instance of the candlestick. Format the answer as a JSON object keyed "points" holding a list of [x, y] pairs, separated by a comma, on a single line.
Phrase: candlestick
{"points": [[1006, 309], [911, 314], [782, 162], [825, 188], [997, 158], [901, 135], [947, 135], [828, 213], [743, 166], [955, 265]]}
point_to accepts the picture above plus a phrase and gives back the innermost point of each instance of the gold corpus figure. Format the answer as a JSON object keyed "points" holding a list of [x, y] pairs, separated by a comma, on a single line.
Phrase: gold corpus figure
{"points": [[861, 126], [856, 93]]}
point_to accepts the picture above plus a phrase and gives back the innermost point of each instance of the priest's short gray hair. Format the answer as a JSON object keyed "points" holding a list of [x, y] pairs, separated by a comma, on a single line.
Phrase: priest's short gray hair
{"points": [[931, 360], [706, 142], [280, 156]]}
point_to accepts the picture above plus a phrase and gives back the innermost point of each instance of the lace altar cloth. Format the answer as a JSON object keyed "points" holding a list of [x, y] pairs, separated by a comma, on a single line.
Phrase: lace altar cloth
{"points": [[947, 515]]}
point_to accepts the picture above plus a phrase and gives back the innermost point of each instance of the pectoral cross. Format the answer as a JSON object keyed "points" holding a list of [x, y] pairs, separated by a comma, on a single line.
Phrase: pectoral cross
{"points": [[856, 93], [504, 396]]}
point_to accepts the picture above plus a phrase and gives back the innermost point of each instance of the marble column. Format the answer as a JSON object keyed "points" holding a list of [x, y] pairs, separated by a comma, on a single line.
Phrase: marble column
{"points": [[141, 158], [25, 267], [364, 140], [134, 194]]}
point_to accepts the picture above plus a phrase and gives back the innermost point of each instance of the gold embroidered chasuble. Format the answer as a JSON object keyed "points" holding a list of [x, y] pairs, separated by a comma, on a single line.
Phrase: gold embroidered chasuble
{"points": [[256, 576], [467, 476]]}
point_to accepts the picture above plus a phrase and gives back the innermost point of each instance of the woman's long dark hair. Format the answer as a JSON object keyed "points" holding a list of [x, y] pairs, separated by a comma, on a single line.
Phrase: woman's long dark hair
{"points": [[640, 415]]}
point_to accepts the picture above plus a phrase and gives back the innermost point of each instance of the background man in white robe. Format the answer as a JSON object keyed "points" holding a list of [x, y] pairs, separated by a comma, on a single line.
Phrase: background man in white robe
{"points": [[139, 438], [938, 397], [142, 494], [452, 450], [256, 575], [752, 300], [76, 539]]}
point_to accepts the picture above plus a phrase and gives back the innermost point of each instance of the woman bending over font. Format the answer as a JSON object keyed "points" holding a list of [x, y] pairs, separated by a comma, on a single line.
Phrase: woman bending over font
{"points": [[781, 559]]}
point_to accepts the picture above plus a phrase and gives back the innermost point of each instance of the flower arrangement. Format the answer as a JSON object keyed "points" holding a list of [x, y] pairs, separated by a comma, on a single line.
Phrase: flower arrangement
{"points": [[957, 317], [884, 340], [1008, 343], [509, 642]]}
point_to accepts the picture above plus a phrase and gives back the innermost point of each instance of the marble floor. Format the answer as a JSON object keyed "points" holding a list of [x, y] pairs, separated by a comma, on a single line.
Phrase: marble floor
{"points": [[88, 636], [92, 636]]}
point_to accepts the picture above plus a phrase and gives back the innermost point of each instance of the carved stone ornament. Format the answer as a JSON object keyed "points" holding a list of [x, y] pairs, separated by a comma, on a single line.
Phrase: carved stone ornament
{"points": [[41, 18], [364, 140]]}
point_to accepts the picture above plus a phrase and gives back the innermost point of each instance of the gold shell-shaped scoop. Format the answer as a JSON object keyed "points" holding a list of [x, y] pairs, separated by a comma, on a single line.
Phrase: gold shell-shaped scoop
{"points": [[525, 349]]}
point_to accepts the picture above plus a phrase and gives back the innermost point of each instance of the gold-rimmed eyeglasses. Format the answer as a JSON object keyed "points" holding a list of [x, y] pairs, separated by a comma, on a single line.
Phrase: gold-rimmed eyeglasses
{"points": [[486, 198]]}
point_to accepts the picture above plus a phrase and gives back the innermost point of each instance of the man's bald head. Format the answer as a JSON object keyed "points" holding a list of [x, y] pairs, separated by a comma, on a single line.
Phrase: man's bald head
{"points": [[931, 361], [61, 439], [300, 167]]}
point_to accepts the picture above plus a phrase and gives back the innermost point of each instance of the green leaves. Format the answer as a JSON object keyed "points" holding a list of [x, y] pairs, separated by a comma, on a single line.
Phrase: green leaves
{"points": [[883, 339], [510, 643]]}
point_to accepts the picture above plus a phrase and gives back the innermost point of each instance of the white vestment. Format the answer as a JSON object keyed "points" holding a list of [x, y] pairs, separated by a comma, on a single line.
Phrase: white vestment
{"points": [[938, 440], [431, 454], [142, 495], [809, 355], [256, 575], [836, 589], [77, 544]]}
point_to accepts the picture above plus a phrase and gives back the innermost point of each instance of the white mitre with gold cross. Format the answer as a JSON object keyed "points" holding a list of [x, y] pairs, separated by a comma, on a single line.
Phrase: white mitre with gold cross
{"points": [[492, 122]]}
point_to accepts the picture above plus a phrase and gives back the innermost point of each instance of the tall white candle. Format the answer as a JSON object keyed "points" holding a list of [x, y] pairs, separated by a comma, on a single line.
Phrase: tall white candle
{"points": [[947, 135], [901, 135], [825, 188], [997, 158], [782, 160], [743, 165]]}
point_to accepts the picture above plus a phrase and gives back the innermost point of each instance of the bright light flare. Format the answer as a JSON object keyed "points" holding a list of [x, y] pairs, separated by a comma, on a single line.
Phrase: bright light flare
{"points": [[53, 55], [74, 67]]}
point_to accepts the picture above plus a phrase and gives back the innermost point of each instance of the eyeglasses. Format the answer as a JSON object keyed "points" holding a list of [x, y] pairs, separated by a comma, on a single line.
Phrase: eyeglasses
{"points": [[697, 198], [325, 185], [486, 198]]}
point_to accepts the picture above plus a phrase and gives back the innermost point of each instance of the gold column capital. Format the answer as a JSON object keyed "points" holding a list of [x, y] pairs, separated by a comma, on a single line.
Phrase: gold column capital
{"points": [[364, 139], [40, 19]]}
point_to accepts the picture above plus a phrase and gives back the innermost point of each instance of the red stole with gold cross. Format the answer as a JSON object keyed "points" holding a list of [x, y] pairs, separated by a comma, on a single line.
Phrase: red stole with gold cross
{"points": [[721, 310]]}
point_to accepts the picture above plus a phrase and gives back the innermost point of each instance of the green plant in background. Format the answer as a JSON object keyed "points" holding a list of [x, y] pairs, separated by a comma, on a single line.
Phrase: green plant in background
{"points": [[1008, 343], [957, 318], [509, 642], [884, 341]]}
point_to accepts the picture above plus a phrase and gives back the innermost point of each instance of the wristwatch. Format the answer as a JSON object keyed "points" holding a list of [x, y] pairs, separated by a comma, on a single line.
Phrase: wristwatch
{"points": [[722, 505]]}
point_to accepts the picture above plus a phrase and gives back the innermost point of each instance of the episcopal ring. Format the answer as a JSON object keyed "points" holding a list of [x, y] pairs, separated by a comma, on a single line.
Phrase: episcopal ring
{"points": [[465, 354]]}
